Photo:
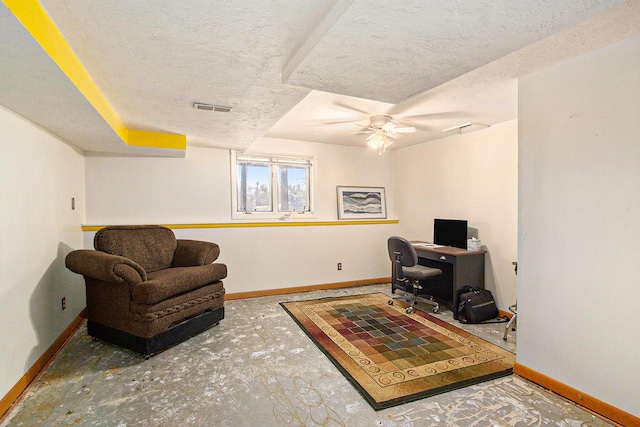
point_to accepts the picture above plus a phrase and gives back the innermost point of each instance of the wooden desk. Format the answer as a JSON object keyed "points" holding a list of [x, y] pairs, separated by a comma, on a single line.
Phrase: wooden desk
{"points": [[460, 268]]}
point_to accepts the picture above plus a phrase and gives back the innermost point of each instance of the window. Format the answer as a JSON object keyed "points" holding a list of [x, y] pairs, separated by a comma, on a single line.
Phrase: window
{"points": [[268, 185]]}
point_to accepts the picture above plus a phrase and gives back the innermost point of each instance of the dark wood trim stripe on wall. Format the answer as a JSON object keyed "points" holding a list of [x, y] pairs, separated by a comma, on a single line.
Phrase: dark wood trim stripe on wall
{"points": [[43, 361], [284, 291], [590, 403], [16, 392], [597, 406]]}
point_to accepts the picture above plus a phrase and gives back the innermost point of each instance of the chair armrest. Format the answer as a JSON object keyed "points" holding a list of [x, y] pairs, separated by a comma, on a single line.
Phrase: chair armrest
{"points": [[103, 266], [190, 253]]}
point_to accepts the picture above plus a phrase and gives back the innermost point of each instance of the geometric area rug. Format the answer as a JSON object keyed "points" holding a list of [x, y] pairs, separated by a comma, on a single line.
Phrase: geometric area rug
{"points": [[392, 357]]}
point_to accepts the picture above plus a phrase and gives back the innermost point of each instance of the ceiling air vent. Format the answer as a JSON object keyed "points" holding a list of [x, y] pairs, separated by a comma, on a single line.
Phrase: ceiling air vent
{"points": [[209, 107], [466, 127]]}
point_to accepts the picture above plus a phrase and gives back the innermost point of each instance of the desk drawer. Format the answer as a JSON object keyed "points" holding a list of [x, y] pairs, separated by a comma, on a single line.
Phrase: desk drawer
{"points": [[449, 259], [460, 268]]}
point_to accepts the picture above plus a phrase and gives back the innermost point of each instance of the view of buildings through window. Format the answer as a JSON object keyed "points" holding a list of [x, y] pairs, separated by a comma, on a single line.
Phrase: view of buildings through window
{"points": [[293, 189], [265, 182]]}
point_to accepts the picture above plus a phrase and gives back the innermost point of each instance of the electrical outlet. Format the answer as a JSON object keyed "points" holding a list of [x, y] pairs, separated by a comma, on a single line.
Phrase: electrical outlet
{"points": [[64, 302], [339, 266]]}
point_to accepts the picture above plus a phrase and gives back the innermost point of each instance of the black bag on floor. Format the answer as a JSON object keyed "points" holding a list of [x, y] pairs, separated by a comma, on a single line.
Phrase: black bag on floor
{"points": [[478, 306]]}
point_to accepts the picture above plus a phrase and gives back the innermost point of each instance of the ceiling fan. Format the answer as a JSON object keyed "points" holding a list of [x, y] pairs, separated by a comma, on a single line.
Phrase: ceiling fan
{"points": [[381, 127]]}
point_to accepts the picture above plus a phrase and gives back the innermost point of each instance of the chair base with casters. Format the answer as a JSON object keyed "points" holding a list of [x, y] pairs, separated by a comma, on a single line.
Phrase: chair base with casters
{"points": [[512, 308], [414, 298], [512, 322], [406, 274]]}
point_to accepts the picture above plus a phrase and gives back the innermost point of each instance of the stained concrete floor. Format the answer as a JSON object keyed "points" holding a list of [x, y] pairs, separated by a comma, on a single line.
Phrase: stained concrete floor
{"points": [[257, 368]]}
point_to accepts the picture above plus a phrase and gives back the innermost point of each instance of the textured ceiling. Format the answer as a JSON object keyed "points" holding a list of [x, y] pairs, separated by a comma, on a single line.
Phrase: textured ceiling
{"points": [[391, 50], [154, 59], [26, 88], [486, 95], [302, 70]]}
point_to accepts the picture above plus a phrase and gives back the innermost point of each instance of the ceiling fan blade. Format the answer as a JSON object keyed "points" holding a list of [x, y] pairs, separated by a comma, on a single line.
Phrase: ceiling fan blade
{"points": [[433, 116], [361, 131], [404, 130], [347, 122], [349, 107]]}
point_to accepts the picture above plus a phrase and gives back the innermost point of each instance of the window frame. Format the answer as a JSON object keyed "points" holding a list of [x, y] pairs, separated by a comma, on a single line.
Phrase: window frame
{"points": [[274, 161]]}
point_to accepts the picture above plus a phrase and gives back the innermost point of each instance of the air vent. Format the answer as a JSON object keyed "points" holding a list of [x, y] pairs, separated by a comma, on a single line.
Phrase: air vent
{"points": [[209, 107], [466, 127]]}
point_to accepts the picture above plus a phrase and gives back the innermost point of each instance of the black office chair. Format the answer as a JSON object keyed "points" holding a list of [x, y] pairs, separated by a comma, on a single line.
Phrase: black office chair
{"points": [[406, 273]]}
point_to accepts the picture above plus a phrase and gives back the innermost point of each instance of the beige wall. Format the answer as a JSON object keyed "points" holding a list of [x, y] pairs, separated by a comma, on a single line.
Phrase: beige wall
{"points": [[39, 175], [578, 212], [471, 176], [579, 232], [125, 190]]}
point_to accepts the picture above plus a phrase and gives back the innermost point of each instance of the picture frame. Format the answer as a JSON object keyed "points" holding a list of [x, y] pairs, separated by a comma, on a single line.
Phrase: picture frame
{"points": [[361, 202]]}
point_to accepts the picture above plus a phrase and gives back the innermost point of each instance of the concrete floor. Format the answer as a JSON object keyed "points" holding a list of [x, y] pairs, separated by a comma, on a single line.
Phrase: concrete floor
{"points": [[257, 368]]}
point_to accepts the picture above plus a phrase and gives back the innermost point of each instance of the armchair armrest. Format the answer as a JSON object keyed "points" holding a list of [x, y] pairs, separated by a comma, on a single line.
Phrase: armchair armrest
{"points": [[103, 266], [190, 253]]}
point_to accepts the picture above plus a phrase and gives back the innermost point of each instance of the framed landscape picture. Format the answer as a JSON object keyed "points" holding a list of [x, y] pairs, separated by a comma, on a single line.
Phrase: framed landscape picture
{"points": [[361, 203]]}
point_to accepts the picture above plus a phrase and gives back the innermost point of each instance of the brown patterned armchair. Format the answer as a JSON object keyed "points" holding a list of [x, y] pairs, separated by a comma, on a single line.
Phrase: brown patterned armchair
{"points": [[147, 290]]}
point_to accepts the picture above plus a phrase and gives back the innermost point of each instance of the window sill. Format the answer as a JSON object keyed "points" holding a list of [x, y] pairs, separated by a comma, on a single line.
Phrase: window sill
{"points": [[259, 217]]}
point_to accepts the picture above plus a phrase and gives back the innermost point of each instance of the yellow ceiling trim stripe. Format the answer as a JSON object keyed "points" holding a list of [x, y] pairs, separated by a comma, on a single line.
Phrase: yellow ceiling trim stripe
{"points": [[145, 138], [34, 18]]}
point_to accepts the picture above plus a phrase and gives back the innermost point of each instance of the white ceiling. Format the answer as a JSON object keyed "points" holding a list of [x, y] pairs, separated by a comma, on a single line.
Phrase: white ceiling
{"points": [[295, 69]]}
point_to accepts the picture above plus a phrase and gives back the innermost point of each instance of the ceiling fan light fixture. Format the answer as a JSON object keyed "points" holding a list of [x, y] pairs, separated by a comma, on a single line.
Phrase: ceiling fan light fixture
{"points": [[379, 141]]}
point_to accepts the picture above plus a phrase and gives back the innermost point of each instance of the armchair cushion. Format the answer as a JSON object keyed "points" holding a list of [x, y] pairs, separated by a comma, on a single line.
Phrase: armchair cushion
{"points": [[163, 284], [151, 246]]}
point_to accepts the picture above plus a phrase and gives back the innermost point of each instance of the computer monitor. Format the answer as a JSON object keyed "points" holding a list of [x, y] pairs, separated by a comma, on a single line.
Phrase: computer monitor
{"points": [[450, 232]]}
